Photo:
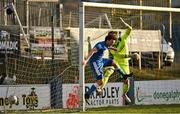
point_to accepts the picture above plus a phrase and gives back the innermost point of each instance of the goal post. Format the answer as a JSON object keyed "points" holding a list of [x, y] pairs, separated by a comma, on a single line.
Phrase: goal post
{"points": [[81, 57], [82, 33]]}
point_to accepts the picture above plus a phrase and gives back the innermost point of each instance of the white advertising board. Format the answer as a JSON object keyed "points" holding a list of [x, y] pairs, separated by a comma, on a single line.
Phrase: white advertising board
{"points": [[157, 92], [42, 44], [112, 96], [139, 40], [35, 96]]}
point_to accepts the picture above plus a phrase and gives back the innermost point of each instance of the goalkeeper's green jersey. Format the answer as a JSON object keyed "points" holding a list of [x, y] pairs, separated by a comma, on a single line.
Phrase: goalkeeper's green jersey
{"points": [[121, 55]]}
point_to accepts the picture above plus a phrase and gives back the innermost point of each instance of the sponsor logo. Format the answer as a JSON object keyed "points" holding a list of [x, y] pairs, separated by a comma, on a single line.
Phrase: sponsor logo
{"points": [[171, 95], [74, 98], [167, 96], [110, 96], [141, 96], [30, 100]]}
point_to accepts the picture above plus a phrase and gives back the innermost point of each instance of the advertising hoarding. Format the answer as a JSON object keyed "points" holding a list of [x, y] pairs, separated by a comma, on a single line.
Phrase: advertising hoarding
{"points": [[41, 43], [36, 96], [112, 96], [157, 92]]}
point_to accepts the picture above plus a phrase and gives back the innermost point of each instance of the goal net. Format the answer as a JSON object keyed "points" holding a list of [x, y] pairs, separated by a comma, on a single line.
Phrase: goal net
{"points": [[36, 60], [43, 67], [152, 27]]}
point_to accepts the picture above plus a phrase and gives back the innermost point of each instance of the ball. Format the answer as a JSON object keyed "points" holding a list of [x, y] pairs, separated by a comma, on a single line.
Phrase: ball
{"points": [[13, 99]]}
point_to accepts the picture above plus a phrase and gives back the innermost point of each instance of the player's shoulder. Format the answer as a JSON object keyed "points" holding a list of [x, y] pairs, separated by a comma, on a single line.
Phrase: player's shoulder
{"points": [[101, 43]]}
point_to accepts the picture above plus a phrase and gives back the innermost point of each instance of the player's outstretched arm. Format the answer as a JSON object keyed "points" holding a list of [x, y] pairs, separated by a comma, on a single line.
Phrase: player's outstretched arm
{"points": [[129, 28], [127, 25], [94, 50]]}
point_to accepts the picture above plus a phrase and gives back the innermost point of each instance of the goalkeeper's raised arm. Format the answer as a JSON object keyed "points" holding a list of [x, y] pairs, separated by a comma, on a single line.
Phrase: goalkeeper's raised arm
{"points": [[127, 25]]}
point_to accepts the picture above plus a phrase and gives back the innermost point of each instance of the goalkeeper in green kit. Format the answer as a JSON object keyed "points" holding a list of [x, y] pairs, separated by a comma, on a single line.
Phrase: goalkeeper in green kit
{"points": [[122, 57]]}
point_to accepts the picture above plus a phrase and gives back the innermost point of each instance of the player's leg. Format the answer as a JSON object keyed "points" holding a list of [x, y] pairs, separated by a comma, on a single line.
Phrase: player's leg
{"points": [[98, 73], [93, 88], [109, 69], [126, 86], [126, 82], [108, 72], [120, 70]]}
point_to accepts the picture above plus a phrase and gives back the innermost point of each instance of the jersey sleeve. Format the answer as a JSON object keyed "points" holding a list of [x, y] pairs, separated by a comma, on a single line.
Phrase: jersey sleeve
{"points": [[124, 39], [126, 34], [98, 46]]}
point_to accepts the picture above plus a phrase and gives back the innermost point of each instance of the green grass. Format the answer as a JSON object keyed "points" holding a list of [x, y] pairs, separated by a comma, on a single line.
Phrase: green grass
{"points": [[167, 73], [138, 109], [173, 108]]}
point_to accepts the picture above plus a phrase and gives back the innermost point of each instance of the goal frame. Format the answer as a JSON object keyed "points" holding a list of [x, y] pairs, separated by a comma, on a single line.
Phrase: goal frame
{"points": [[82, 34]]}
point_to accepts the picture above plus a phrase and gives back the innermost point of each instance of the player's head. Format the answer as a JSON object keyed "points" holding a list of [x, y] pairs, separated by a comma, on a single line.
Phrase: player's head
{"points": [[114, 33], [110, 40]]}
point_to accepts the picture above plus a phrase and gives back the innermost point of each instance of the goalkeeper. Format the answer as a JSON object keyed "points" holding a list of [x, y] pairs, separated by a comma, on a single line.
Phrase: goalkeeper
{"points": [[121, 56]]}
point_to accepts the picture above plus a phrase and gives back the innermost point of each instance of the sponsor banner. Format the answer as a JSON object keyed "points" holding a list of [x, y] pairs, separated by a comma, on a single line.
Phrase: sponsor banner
{"points": [[46, 33], [30, 96], [58, 48], [157, 92], [41, 47], [45, 50], [112, 96], [8, 43]]}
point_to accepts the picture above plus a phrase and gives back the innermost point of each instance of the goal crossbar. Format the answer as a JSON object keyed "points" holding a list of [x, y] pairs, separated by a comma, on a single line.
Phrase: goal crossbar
{"points": [[132, 7]]}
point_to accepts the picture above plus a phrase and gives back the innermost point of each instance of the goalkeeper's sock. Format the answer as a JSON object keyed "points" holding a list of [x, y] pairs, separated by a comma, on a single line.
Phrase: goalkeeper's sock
{"points": [[92, 89], [108, 73], [125, 88]]}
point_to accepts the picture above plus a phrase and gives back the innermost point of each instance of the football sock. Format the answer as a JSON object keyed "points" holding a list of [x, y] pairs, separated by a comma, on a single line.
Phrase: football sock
{"points": [[92, 89], [125, 88]]}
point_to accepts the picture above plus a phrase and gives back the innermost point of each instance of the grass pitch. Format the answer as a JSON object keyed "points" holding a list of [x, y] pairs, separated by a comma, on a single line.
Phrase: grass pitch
{"points": [[141, 109]]}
